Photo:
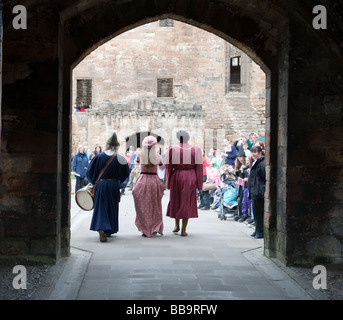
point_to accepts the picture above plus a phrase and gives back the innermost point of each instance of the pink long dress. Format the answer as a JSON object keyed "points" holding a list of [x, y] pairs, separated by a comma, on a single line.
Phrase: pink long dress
{"points": [[147, 195], [184, 174]]}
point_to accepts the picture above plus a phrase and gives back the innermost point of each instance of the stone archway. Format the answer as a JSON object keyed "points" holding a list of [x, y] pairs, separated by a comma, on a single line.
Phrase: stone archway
{"points": [[265, 56], [303, 201]]}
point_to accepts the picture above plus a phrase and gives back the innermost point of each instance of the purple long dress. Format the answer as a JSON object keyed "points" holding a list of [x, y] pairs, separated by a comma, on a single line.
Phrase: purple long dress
{"points": [[184, 174]]}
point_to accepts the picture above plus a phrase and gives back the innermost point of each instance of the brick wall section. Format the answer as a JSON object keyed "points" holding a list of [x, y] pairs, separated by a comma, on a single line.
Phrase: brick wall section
{"points": [[128, 67]]}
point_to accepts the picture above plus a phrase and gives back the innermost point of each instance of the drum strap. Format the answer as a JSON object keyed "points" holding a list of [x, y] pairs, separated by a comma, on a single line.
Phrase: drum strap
{"points": [[103, 170]]}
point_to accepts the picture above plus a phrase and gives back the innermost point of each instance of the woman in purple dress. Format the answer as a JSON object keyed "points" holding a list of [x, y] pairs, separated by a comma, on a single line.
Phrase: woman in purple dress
{"points": [[184, 174]]}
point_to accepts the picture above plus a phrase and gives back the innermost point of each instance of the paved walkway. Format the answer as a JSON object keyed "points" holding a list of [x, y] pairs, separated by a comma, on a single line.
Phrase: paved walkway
{"points": [[218, 260]]}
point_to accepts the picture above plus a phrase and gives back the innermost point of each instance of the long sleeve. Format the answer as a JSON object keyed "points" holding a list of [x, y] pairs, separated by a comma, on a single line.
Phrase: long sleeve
{"points": [[73, 164], [169, 166], [199, 168], [92, 172], [124, 170], [262, 171]]}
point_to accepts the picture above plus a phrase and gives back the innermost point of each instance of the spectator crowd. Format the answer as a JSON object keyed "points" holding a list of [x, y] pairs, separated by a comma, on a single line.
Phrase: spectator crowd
{"points": [[233, 178]]}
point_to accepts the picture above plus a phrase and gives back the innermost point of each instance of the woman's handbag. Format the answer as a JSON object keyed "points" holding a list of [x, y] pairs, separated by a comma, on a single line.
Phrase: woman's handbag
{"points": [[208, 186], [85, 197]]}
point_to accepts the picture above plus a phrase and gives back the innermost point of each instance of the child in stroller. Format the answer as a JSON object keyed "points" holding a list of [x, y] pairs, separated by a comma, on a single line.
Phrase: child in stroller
{"points": [[225, 197]]}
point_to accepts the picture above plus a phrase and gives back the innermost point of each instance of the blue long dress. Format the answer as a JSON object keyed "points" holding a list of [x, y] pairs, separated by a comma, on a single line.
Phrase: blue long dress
{"points": [[106, 205]]}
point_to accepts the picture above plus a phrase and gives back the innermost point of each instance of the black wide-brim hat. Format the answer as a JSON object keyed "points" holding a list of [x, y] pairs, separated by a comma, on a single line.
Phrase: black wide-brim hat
{"points": [[241, 153], [184, 134]]}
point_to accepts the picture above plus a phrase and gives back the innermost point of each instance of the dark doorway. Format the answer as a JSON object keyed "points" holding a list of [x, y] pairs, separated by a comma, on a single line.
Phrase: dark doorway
{"points": [[135, 140]]}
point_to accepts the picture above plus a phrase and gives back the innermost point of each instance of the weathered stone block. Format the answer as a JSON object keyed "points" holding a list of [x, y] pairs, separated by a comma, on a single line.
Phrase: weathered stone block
{"points": [[324, 249]]}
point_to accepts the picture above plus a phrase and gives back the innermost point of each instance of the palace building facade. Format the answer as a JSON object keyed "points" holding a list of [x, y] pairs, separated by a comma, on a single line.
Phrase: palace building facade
{"points": [[164, 76]]}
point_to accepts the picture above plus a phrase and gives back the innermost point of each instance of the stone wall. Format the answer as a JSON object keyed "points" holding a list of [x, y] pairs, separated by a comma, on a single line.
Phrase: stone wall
{"points": [[159, 116], [304, 68]]}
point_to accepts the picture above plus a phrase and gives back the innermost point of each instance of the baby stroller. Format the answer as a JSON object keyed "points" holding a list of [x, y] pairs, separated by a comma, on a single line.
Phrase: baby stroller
{"points": [[228, 202]]}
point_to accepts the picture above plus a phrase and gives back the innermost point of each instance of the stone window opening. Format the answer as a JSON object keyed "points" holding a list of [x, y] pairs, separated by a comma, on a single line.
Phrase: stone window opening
{"points": [[84, 91], [235, 74], [165, 88]]}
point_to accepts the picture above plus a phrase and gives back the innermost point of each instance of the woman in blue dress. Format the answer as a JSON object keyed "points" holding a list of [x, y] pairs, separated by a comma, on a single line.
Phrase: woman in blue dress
{"points": [[107, 195]]}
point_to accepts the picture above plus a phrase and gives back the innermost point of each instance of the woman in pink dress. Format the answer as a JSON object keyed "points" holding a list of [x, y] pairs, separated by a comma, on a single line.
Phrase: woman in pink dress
{"points": [[184, 174], [148, 190]]}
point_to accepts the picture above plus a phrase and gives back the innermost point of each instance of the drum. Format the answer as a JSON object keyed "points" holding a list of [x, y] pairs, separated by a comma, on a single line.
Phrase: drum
{"points": [[84, 197]]}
